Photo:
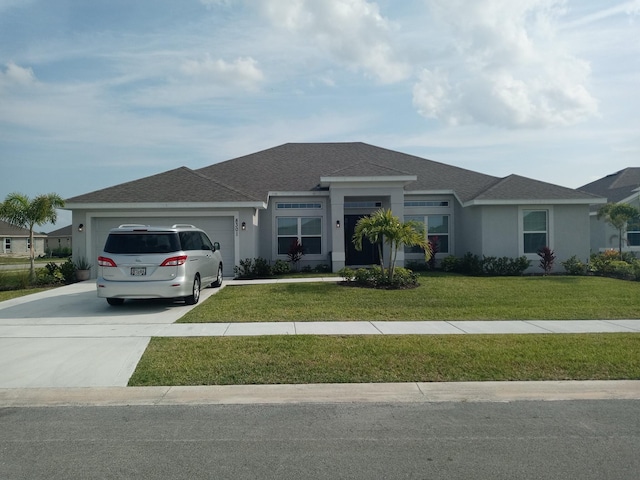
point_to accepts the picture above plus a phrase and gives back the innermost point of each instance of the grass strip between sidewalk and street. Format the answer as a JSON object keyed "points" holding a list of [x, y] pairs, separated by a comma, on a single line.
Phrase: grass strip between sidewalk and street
{"points": [[439, 297], [376, 359]]}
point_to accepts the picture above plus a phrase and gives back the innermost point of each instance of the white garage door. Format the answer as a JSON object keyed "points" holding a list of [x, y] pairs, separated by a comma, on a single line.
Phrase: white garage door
{"points": [[219, 229]]}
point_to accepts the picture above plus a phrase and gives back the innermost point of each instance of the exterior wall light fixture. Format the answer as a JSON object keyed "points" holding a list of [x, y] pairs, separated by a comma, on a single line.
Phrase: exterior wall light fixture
{"points": [[244, 225], [81, 227], [337, 223]]}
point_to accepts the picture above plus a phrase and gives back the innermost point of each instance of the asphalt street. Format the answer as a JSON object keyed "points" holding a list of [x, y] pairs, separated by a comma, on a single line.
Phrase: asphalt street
{"points": [[521, 440]]}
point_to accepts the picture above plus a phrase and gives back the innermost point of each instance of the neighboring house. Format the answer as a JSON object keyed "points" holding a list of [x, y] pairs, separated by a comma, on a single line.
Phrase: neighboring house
{"points": [[59, 240], [256, 205], [15, 241], [619, 187]]}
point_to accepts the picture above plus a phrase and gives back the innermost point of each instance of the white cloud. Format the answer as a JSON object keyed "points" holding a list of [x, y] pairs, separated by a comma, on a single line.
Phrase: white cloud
{"points": [[353, 32], [242, 72], [512, 70], [16, 75]]}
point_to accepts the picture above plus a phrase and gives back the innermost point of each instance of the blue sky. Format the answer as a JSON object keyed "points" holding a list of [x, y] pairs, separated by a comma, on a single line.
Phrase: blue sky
{"points": [[94, 93]]}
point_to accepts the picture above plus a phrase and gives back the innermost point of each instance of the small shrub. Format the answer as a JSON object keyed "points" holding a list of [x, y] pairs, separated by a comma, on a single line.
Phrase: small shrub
{"points": [[245, 269], [322, 268], [418, 266], [68, 270], [261, 268], [363, 276], [547, 259], [574, 266], [470, 264], [347, 273], [450, 263], [280, 267], [375, 277], [295, 252], [404, 278], [621, 269], [433, 243]]}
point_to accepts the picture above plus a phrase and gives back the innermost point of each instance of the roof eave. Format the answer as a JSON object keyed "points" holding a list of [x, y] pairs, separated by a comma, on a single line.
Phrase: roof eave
{"points": [[537, 201], [166, 205]]}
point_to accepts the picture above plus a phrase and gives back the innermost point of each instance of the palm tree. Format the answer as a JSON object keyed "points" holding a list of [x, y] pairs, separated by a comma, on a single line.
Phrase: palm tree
{"points": [[617, 215], [19, 210], [383, 227]]}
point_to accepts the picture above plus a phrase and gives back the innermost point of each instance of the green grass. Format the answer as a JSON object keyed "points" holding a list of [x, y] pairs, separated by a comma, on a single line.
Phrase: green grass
{"points": [[26, 260], [375, 359], [439, 297], [9, 294]]}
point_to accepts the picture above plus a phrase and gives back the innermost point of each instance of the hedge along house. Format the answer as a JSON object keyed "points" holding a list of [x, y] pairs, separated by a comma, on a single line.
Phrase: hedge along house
{"points": [[257, 204], [619, 187]]}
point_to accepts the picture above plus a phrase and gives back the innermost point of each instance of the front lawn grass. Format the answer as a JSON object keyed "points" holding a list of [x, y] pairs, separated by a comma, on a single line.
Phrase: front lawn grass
{"points": [[378, 359], [439, 297]]}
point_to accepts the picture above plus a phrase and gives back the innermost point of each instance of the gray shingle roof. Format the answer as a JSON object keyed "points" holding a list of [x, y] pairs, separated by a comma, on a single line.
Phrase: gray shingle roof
{"points": [[617, 186], [61, 232], [8, 230], [515, 187], [179, 185], [298, 167]]}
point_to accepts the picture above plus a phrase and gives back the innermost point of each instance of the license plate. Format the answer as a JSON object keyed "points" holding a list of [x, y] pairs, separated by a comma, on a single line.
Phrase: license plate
{"points": [[138, 271]]}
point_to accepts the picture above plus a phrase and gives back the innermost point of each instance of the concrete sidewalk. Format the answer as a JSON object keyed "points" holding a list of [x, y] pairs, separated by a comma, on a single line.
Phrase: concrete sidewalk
{"points": [[69, 338]]}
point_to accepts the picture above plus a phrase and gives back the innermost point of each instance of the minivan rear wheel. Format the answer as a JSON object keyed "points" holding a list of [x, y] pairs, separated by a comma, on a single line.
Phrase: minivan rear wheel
{"points": [[115, 301], [195, 296]]}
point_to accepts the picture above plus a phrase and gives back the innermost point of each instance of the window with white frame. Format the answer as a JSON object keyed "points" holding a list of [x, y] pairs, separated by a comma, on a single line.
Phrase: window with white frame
{"points": [[7, 245], [306, 230], [437, 229], [633, 233], [535, 230]]}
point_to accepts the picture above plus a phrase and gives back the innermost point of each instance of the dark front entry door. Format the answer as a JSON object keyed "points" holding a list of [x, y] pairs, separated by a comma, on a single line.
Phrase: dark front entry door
{"points": [[369, 253]]}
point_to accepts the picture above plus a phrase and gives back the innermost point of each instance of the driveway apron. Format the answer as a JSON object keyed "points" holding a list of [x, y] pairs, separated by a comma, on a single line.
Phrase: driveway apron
{"points": [[67, 337]]}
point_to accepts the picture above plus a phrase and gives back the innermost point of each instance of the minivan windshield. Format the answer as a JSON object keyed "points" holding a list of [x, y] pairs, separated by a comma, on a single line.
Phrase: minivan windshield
{"points": [[140, 242]]}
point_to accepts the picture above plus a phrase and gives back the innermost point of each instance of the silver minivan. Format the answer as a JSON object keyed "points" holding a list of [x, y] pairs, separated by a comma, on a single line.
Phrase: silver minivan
{"points": [[141, 261]]}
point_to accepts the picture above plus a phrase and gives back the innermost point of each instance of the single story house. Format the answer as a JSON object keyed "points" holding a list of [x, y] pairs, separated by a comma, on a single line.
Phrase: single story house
{"points": [[619, 187], [16, 241], [256, 205], [59, 240]]}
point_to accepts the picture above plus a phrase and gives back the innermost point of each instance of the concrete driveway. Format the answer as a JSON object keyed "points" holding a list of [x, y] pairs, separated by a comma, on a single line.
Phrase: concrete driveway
{"points": [[68, 337]]}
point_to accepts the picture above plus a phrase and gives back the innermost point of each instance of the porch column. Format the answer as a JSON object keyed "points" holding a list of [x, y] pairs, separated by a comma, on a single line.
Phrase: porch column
{"points": [[337, 233]]}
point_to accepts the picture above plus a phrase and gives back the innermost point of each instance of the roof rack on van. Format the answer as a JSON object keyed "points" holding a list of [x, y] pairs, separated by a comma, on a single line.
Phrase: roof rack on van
{"points": [[182, 225], [128, 225]]}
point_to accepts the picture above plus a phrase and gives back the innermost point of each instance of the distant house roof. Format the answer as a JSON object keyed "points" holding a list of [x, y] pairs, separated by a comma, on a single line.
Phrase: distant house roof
{"points": [[8, 230], [298, 167], [61, 232], [617, 186]]}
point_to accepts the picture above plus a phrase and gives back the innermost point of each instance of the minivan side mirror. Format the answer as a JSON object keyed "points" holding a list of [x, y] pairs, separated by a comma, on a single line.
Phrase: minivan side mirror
{"points": [[216, 246]]}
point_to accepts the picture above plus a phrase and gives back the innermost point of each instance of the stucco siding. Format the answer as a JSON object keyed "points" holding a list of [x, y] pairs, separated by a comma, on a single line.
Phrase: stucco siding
{"points": [[571, 231]]}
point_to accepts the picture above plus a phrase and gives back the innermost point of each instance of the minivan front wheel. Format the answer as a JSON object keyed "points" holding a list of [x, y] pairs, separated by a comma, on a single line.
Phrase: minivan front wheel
{"points": [[218, 281], [195, 296]]}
